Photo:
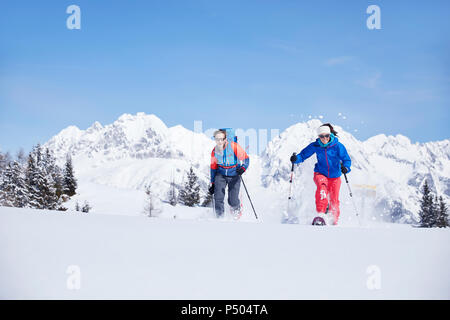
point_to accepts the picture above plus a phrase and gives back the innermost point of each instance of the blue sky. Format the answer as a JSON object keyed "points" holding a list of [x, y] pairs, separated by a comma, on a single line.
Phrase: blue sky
{"points": [[245, 64]]}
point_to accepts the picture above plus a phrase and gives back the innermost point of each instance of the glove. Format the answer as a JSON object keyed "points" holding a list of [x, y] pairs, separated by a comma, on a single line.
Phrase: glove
{"points": [[211, 189], [240, 170], [344, 170], [293, 158]]}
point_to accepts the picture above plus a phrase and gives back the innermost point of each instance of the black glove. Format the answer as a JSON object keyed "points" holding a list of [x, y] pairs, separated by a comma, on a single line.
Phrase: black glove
{"points": [[240, 170], [344, 169], [293, 158], [211, 189]]}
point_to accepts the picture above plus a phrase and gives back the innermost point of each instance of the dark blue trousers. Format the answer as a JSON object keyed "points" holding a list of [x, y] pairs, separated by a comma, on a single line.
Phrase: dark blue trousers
{"points": [[220, 183]]}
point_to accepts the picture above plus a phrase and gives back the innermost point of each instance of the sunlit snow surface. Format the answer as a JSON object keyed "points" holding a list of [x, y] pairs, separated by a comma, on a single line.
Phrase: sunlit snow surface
{"points": [[72, 255]]}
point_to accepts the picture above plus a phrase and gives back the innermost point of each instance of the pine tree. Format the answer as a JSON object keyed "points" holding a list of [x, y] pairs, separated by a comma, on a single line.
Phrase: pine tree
{"points": [[21, 157], [426, 207], [2, 163], [69, 181], [55, 172], [149, 206], [37, 151], [434, 212], [13, 188], [50, 185], [40, 180], [1, 169], [32, 179], [5, 159], [442, 218], [190, 195], [7, 188], [172, 194], [86, 207]]}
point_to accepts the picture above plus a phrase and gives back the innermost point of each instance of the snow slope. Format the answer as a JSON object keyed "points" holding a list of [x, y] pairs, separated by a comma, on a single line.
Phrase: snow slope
{"points": [[135, 257]]}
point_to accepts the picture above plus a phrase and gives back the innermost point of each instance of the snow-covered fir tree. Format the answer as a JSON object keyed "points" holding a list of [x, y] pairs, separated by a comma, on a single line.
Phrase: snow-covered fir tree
{"points": [[20, 193], [426, 212], [40, 179], [190, 194], [442, 216], [149, 208], [32, 179], [21, 157], [172, 194], [54, 171], [69, 180], [86, 207], [434, 212], [13, 190], [47, 183], [5, 159], [1, 168]]}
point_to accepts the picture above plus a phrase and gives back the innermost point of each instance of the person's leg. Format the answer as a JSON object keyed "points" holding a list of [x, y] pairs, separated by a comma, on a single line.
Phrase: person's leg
{"points": [[234, 184], [334, 185], [219, 194], [321, 192]]}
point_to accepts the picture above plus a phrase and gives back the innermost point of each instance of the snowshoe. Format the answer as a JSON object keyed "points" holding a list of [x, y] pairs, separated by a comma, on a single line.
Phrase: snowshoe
{"points": [[237, 213], [318, 221], [289, 219]]}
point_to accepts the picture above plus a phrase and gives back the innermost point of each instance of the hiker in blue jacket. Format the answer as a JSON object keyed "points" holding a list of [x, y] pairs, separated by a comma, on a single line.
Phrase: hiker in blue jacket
{"points": [[332, 161]]}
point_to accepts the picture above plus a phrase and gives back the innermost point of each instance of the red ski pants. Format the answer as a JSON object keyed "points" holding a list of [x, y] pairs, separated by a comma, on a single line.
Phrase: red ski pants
{"points": [[327, 188]]}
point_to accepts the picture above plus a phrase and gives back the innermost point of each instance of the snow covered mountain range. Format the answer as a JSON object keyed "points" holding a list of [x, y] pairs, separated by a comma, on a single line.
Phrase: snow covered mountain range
{"points": [[137, 149]]}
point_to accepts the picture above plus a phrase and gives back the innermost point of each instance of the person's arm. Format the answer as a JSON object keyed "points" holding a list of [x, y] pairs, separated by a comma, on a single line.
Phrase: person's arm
{"points": [[345, 158], [241, 155], [305, 153], [213, 167]]}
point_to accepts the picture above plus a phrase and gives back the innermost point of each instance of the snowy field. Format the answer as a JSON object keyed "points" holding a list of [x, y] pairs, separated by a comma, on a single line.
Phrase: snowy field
{"points": [[48, 255]]}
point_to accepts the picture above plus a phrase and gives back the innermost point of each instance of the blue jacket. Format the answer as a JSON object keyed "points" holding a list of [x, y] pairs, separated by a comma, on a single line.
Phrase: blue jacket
{"points": [[329, 157]]}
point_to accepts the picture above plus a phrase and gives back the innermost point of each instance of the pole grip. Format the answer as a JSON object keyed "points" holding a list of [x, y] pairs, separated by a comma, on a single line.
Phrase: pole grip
{"points": [[345, 175], [292, 168]]}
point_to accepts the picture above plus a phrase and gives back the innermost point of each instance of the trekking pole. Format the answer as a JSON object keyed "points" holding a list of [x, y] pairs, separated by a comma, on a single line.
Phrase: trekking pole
{"points": [[290, 189], [351, 195], [213, 205], [249, 197], [290, 180]]}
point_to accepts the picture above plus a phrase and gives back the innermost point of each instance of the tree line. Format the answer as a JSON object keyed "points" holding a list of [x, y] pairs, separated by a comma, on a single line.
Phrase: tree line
{"points": [[36, 181]]}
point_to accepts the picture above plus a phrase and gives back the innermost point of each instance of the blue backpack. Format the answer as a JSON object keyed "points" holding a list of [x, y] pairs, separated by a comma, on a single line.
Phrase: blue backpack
{"points": [[229, 158]]}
